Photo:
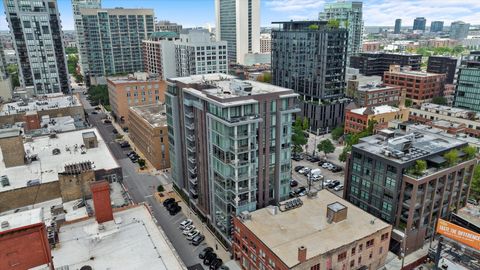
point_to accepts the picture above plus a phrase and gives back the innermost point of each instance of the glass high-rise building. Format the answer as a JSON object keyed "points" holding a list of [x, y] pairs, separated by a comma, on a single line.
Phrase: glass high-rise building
{"points": [[238, 23], [459, 30], [350, 15], [229, 144], [419, 23], [467, 93], [398, 26], [436, 26], [38, 42], [115, 39]]}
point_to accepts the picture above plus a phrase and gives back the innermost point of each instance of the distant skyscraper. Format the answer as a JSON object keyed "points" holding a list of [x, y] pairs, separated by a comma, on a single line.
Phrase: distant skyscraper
{"points": [[436, 26], [168, 27], [79, 30], [419, 23], [115, 39], [238, 23], [459, 30], [350, 16], [38, 41], [398, 26]]}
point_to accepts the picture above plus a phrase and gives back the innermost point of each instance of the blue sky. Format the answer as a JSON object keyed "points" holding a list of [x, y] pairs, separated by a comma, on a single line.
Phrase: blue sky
{"points": [[376, 12]]}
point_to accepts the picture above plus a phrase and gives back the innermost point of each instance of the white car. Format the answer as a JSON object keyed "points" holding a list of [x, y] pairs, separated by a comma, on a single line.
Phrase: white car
{"points": [[185, 223], [325, 165], [317, 177], [188, 229], [192, 234], [302, 171], [338, 188], [330, 166]]}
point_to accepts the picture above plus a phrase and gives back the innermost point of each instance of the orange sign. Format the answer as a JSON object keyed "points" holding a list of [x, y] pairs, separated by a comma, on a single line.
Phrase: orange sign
{"points": [[458, 233]]}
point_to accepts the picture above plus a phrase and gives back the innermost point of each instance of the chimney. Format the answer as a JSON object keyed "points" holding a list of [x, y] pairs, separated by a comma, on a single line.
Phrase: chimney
{"points": [[90, 139], [302, 254], [336, 212], [403, 97], [101, 201], [11, 145]]}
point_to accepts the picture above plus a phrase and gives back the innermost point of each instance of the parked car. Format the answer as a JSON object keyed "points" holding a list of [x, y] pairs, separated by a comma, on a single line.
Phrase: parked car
{"points": [[338, 188], [292, 194], [317, 177], [124, 144], [115, 131], [315, 172], [298, 168], [314, 159], [168, 202], [204, 252], [171, 205], [107, 121], [334, 184], [175, 209], [209, 258], [321, 162], [330, 166], [300, 190], [302, 170], [472, 201], [216, 264], [185, 223], [190, 228], [293, 183], [336, 169], [297, 158], [325, 165], [307, 171], [97, 108], [94, 112], [327, 182], [198, 239], [192, 234]]}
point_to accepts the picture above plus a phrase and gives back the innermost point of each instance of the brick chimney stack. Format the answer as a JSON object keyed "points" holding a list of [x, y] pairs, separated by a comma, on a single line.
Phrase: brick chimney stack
{"points": [[101, 201], [302, 254]]}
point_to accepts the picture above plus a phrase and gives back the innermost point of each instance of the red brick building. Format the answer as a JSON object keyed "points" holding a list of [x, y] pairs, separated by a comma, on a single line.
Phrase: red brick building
{"points": [[23, 241], [356, 120], [420, 86]]}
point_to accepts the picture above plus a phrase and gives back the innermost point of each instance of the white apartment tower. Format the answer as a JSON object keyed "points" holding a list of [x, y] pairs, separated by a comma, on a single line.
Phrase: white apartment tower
{"points": [[79, 29], [38, 40], [238, 23]]}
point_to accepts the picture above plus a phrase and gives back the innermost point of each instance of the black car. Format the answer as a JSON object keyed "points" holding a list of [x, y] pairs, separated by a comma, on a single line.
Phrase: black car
{"points": [[204, 252], [337, 169], [334, 184], [172, 205], [292, 194], [168, 201], [124, 144], [296, 158], [300, 190], [321, 162], [94, 112], [106, 121], [174, 209], [314, 159], [293, 183], [125, 129], [298, 168], [115, 131], [209, 258], [216, 264], [197, 240], [97, 108]]}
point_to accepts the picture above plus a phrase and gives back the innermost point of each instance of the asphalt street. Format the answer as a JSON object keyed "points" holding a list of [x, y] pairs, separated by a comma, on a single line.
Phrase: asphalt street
{"points": [[140, 187]]}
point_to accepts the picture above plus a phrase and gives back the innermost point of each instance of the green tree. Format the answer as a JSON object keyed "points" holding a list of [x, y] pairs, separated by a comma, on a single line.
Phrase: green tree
{"points": [[305, 124], [141, 163], [333, 23], [408, 103], [99, 93], [71, 50], [470, 151], [12, 71], [451, 157], [439, 100], [419, 167], [326, 146], [343, 156], [475, 186], [160, 188], [337, 132], [298, 137], [313, 27]]}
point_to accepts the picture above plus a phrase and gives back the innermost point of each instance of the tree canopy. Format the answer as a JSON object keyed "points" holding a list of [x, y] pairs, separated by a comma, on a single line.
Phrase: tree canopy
{"points": [[298, 135], [326, 146], [439, 100], [337, 132]]}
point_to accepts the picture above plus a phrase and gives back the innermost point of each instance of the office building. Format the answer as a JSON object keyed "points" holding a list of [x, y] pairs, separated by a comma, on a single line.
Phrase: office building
{"points": [[459, 30], [419, 23], [357, 120], [310, 58], [371, 46], [265, 43], [443, 65], [135, 89], [171, 55], [398, 26], [238, 23], [349, 15], [442, 42], [230, 144], [80, 31], [376, 94], [167, 26], [420, 86], [467, 93], [436, 26], [376, 63], [288, 236], [382, 178], [115, 40], [38, 41], [148, 131]]}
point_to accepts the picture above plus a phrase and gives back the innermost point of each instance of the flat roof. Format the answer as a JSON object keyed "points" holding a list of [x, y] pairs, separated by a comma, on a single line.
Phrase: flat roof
{"points": [[415, 73], [21, 219], [131, 241], [47, 102], [470, 213], [377, 110], [154, 114], [307, 226], [47, 166], [9, 132]]}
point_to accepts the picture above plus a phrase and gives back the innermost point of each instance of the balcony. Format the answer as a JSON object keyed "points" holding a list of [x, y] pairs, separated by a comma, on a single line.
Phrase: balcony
{"points": [[194, 181], [192, 170], [190, 126], [243, 148], [241, 135], [192, 160], [191, 138], [189, 114], [194, 192]]}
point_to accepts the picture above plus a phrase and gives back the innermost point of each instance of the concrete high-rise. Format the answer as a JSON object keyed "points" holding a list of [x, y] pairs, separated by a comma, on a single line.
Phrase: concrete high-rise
{"points": [[238, 23], [459, 30], [310, 58], [349, 14], [443, 64], [398, 26], [38, 42], [419, 23], [230, 144], [115, 40], [79, 30], [467, 93], [436, 26]]}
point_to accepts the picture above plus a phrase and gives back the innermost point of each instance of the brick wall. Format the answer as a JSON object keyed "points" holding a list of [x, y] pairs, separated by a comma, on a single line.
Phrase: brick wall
{"points": [[20, 197]]}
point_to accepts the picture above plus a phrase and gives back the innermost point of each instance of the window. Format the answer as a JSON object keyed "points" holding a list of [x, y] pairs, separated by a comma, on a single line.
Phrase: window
{"points": [[385, 236], [360, 248], [359, 260], [370, 243], [353, 251], [380, 250], [352, 263], [315, 267], [342, 256], [370, 256]]}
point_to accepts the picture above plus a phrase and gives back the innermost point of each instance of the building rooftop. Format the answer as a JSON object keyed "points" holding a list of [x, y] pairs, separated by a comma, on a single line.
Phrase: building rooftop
{"points": [[443, 133], [308, 226], [134, 78], [371, 86], [45, 165], [131, 241], [21, 219], [9, 132], [154, 114], [376, 110], [454, 112], [447, 124], [403, 148], [415, 73], [470, 213], [163, 34], [47, 102]]}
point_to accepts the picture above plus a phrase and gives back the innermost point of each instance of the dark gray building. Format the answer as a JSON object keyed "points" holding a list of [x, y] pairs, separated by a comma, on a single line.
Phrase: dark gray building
{"points": [[380, 180], [443, 65], [398, 26], [376, 63], [419, 23], [467, 92], [459, 30], [310, 58], [436, 26]]}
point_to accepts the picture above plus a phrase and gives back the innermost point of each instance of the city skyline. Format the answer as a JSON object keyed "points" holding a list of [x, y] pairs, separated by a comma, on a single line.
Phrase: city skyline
{"points": [[192, 13]]}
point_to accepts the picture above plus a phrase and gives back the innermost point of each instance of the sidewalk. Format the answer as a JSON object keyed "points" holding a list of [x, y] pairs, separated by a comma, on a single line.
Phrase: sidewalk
{"points": [[394, 263]]}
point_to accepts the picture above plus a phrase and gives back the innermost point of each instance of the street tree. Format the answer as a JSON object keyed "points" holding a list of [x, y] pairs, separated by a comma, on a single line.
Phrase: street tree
{"points": [[326, 146]]}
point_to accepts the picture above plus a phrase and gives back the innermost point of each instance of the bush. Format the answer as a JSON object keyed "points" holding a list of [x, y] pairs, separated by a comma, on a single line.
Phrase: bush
{"points": [[451, 157], [160, 188], [141, 163], [337, 132], [419, 168], [470, 151]]}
